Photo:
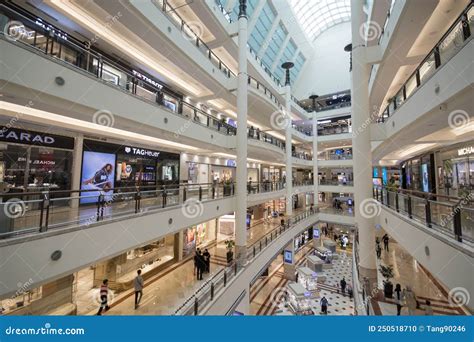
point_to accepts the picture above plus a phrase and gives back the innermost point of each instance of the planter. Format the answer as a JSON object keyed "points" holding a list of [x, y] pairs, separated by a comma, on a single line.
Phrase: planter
{"points": [[388, 289], [230, 256]]}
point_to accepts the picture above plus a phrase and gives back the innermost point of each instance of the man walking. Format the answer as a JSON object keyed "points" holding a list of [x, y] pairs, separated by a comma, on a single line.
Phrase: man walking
{"points": [[343, 285], [385, 239], [207, 260], [104, 294], [324, 306], [138, 285]]}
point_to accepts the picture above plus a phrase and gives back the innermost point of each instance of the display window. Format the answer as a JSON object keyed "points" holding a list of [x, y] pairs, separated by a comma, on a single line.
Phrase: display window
{"points": [[108, 166], [35, 161]]}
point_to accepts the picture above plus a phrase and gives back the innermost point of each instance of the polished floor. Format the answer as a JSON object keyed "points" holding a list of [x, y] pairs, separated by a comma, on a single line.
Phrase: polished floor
{"points": [[266, 294], [408, 272]]}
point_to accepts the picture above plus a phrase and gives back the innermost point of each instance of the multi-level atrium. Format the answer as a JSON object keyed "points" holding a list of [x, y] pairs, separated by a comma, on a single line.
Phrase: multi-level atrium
{"points": [[260, 157]]}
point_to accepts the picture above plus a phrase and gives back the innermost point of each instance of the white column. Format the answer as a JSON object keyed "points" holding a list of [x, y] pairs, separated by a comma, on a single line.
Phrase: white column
{"points": [[315, 159], [76, 168], [241, 186], [289, 157], [362, 155]]}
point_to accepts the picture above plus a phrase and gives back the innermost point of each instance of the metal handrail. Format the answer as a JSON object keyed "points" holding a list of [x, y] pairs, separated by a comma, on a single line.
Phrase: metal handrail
{"points": [[435, 54]]}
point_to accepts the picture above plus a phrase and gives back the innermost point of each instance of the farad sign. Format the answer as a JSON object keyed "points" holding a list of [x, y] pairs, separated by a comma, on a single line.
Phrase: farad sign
{"points": [[21, 136]]}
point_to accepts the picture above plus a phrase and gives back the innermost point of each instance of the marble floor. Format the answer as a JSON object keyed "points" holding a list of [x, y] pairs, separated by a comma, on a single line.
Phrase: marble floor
{"points": [[164, 292], [408, 272], [267, 294]]}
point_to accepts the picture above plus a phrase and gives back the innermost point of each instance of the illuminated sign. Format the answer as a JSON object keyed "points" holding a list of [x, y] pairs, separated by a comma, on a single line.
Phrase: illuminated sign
{"points": [[147, 79], [141, 152], [51, 29], [465, 151]]}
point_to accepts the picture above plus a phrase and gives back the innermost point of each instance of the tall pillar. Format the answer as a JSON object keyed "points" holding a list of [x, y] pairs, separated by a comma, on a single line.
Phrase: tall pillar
{"points": [[289, 157], [362, 155], [315, 152], [241, 186], [76, 168]]}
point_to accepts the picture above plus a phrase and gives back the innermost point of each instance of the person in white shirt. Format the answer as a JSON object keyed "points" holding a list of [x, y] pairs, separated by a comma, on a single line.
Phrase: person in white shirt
{"points": [[138, 285]]}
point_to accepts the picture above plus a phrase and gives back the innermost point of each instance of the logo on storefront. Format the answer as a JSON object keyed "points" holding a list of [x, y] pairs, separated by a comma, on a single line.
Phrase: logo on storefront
{"points": [[141, 152], [147, 79], [465, 151], [27, 138]]}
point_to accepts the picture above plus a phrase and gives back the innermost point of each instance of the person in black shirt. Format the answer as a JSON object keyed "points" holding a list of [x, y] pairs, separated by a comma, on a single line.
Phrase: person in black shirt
{"points": [[207, 260]]}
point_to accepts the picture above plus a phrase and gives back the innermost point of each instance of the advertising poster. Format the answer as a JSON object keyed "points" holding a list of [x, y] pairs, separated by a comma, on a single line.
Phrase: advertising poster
{"points": [[424, 173], [98, 173], [288, 257]]}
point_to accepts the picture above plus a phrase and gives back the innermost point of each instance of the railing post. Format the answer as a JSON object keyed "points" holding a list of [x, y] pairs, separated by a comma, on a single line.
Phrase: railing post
{"points": [[235, 268], [213, 192], [98, 208], [254, 251], [184, 194], [437, 57], [260, 242], [200, 193], [388, 198], [137, 201], [409, 207], [457, 223], [377, 194], [164, 197], [212, 291], [397, 206], [381, 196], [428, 212], [225, 277], [196, 306]]}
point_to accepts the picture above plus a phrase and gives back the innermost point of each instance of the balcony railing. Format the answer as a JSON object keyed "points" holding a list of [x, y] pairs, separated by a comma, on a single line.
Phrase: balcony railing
{"points": [[37, 212], [336, 182], [302, 156], [304, 182], [220, 280], [264, 187], [452, 216], [72, 54], [264, 90], [181, 25], [262, 136], [453, 41]]}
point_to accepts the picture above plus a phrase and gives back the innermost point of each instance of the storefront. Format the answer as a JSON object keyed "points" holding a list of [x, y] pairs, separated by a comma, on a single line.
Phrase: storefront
{"points": [[455, 169], [107, 166], [418, 174], [35, 161], [271, 174], [203, 170], [199, 236]]}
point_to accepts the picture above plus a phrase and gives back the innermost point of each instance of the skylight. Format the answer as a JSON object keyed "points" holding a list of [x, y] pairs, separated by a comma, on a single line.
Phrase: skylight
{"points": [[317, 16]]}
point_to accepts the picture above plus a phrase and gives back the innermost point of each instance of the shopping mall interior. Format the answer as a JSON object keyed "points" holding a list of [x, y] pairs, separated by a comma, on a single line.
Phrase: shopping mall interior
{"points": [[236, 157]]}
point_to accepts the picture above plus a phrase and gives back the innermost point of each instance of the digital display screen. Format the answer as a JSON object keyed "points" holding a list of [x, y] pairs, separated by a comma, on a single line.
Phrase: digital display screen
{"points": [[288, 257], [98, 173], [377, 181], [425, 181], [384, 175], [316, 233]]}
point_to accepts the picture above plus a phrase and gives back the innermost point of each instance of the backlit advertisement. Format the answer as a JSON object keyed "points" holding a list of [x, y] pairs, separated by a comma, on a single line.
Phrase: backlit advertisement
{"points": [[98, 173], [424, 175]]}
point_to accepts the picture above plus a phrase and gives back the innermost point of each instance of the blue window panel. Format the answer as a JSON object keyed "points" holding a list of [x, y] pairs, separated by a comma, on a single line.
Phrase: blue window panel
{"points": [[262, 27]]}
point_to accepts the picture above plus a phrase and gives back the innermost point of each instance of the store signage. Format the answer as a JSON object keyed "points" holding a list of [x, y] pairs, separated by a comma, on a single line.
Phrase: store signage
{"points": [[54, 31], [21, 136], [141, 152], [316, 233], [465, 151], [147, 79], [230, 162]]}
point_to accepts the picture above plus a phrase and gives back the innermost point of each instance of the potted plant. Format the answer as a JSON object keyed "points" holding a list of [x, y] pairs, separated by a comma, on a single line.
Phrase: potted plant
{"points": [[387, 273], [230, 249], [227, 187]]}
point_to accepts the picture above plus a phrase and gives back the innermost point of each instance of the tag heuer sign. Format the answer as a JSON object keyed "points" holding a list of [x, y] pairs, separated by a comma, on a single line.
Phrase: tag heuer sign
{"points": [[21, 136], [141, 152]]}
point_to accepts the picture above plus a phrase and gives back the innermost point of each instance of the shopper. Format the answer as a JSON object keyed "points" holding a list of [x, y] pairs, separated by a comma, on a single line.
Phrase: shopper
{"points": [[201, 265], [207, 260], [428, 308], [196, 260], [324, 305], [104, 295], [249, 185], [398, 296], [138, 286], [343, 285], [410, 300], [385, 239], [378, 250], [350, 292]]}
